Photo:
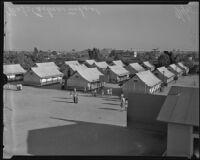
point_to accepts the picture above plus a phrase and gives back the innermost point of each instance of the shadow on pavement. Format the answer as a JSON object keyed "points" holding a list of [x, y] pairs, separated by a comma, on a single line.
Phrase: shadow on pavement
{"points": [[62, 97], [114, 104], [83, 138], [62, 101], [112, 109]]}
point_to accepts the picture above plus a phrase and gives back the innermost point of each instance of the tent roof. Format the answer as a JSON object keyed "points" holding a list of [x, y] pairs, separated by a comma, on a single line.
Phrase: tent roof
{"points": [[90, 61], [43, 72], [148, 64], [118, 62], [176, 68], [75, 65], [166, 72], [137, 67], [181, 65], [148, 78], [181, 106], [90, 74], [47, 64], [72, 63], [13, 69], [119, 70], [101, 65]]}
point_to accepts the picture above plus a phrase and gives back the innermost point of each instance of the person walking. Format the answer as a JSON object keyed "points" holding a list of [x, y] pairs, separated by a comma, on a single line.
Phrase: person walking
{"points": [[95, 93], [126, 104], [102, 92], [110, 91]]}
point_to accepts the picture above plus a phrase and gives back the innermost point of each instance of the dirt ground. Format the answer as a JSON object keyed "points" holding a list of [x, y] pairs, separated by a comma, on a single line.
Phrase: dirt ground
{"points": [[46, 122]]}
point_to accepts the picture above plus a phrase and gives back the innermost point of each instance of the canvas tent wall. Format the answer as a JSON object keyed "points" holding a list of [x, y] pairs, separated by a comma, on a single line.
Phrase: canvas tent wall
{"points": [[14, 72], [134, 68], [142, 82], [85, 79], [164, 74], [175, 69], [118, 62], [116, 74], [148, 65], [40, 76], [183, 67]]}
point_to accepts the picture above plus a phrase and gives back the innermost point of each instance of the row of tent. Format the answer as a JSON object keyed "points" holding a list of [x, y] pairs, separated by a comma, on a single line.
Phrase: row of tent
{"points": [[92, 74]]}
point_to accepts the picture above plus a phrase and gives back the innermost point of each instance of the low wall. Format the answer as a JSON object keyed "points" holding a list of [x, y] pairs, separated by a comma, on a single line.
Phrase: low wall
{"points": [[143, 110]]}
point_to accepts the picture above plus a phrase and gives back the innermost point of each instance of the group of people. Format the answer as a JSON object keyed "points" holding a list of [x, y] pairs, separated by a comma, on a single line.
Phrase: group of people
{"points": [[124, 103]]}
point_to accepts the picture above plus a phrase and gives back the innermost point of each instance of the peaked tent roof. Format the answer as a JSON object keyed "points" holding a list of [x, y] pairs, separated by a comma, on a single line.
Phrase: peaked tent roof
{"points": [[13, 69], [176, 68], [90, 61], [90, 74], [148, 64], [119, 70], [75, 65], [148, 78], [181, 106], [47, 64], [137, 67], [119, 62], [183, 66], [44, 72], [166, 72], [102, 65]]}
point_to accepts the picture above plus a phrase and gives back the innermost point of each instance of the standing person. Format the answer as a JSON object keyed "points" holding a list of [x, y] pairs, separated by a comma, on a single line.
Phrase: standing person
{"points": [[111, 91], [122, 95], [85, 89], [122, 103], [95, 92], [74, 95], [108, 91], [102, 92], [126, 104]]}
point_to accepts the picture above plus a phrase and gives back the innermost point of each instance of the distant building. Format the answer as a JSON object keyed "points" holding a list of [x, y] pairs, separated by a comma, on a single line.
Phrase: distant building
{"points": [[148, 66], [46, 64], [134, 68], [116, 74], [164, 74], [101, 66], [14, 72], [142, 82], [89, 63], [118, 63], [175, 69], [69, 67], [85, 79], [40, 76], [181, 112], [183, 67]]}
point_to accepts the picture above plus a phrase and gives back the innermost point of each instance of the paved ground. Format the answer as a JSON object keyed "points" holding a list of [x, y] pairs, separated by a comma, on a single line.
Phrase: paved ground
{"points": [[45, 121]]}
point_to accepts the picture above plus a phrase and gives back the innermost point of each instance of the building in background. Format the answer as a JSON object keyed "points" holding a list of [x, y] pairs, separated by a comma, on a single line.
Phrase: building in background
{"points": [[183, 67], [134, 68], [175, 69], [82, 79], [41, 76], [70, 67], [46, 64], [164, 74], [181, 113], [118, 63], [148, 66], [142, 82], [89, 63], [14, 72], [116, 74], [101, 66]]}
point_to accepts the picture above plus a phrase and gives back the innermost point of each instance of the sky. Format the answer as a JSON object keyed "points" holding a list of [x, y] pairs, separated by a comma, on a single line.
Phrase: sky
{"points": [[79, 27]]}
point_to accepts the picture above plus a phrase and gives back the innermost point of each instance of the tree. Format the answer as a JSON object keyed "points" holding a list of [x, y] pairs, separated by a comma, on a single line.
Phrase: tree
{"points": [[35, 51], [163, 60], [171, 56]]}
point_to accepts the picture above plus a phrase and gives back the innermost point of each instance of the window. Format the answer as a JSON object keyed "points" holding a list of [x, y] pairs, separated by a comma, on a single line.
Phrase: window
{"points": [[195, 130]]}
